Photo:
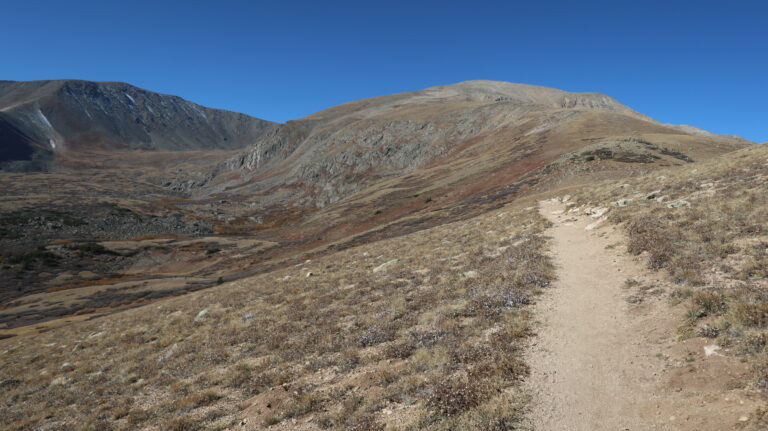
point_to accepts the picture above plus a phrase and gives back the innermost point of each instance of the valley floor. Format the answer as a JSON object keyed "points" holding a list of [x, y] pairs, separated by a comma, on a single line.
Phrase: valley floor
{"points": [[433, 330], [607, 355]]}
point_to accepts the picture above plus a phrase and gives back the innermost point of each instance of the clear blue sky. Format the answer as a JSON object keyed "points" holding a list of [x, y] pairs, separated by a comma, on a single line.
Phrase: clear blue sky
{"points": [[703, 63]]}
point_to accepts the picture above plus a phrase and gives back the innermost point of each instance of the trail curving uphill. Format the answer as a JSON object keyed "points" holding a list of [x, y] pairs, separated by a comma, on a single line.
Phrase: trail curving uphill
{"points": [[601, 363]]}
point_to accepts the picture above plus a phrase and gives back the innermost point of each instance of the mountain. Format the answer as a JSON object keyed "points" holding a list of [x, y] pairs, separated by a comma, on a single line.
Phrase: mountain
{"points": [[473, 127], [190, 195], [375, 265], [459, 326], [42, 122]]}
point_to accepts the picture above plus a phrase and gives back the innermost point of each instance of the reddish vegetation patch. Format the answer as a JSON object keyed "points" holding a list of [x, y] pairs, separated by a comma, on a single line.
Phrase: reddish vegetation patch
{"points": [[158, 236], [96, 282], [244, 226]]}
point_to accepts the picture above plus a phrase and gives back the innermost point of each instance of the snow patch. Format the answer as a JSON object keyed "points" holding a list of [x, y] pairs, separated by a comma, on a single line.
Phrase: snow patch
{"points": [[50, 131], [44, 119], [130, 98]]}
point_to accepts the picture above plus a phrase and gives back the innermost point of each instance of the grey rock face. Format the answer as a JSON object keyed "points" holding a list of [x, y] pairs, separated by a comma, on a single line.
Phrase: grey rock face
{"points": [[52, 117]]}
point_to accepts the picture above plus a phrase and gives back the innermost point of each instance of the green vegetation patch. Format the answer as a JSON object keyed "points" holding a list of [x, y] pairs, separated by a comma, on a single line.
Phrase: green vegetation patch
{"points": [[40, 255]]}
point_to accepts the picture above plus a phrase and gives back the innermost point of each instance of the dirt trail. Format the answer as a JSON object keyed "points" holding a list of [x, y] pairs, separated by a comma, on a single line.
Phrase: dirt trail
{"points": [[601, 363]]}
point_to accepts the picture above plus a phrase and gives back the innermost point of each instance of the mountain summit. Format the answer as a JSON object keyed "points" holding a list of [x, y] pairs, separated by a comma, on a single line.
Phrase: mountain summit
{"points": [[482, 91]]}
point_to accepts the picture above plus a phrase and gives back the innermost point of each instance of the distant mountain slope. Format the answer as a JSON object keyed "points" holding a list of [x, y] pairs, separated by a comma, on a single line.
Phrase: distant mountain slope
{"points": [[65, 117], [470, 127]]}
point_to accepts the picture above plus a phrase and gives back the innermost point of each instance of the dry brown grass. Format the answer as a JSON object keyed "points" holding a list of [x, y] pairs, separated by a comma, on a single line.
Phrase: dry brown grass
{"points": [[715, 248], [94, 282], [157, 236], [432, 341]]}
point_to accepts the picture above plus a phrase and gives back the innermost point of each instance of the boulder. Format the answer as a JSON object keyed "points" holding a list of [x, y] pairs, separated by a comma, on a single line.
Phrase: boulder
{"points": [[59, 381], [201, 315], [597, 212], [595, 224], [622, 202], [653, 195], [385, 265], [679, 204]]}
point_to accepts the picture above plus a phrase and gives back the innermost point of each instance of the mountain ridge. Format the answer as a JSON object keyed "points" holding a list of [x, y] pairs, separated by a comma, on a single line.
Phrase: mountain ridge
{"points": [[86, 116], [413, 129], [67, 117], [119, 83], [497, 91]]}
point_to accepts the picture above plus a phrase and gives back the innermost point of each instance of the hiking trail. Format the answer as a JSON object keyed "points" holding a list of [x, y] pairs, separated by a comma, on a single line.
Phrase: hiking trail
{"points": [[599, 362]]}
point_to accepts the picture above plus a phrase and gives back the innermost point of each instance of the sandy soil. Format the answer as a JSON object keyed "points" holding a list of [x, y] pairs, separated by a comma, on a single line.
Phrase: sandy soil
{"points": [[601, 363]]}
